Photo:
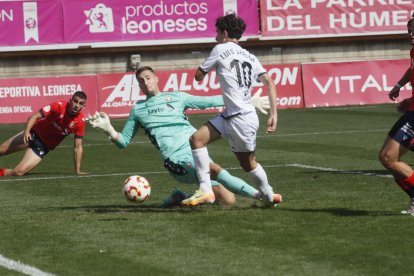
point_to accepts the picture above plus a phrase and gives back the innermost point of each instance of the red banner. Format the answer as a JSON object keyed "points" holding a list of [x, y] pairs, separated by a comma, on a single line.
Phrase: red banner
{"points": [[324, 84], [352, 83], [19, 98], [119, 92], [321, 18]]}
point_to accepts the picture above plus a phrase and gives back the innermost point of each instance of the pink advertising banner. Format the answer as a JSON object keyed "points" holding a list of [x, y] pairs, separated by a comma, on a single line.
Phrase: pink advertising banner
{"points": [[353, 83], [323, 18], [30, 23], [119, 92], [19, 98], [140, 20]]}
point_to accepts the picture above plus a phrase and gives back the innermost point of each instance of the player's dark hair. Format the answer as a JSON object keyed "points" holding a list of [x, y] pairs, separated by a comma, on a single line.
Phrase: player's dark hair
{"points": [[142, 69], [231, 23], [80, 94]]}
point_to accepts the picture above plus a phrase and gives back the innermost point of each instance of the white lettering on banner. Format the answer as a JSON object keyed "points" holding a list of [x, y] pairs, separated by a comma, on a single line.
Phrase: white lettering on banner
{"points": [[15, 109], [202, 85], [118, 104], [61, 90], [5, 109], [174, 84], [356, 3], [291, 22], [19, 92], [153, 25], [161, 9], [351, 83], [159, 26], [286, 5], [127, 89], [285, 76], [316, 4], [342, 21], [22, 109], [289, 101], [368, 19], [4, 15]]}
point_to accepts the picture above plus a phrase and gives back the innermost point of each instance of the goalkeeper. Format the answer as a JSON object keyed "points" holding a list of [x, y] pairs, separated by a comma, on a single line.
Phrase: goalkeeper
{"points": [[161, 116]]}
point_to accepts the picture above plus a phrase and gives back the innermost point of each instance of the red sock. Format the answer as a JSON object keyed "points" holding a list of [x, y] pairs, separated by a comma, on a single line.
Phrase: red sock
{"points": [[407, 184], [2, 171]]}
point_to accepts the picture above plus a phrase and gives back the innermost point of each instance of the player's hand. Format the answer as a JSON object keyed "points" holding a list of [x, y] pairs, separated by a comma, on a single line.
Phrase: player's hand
{"points": [[271, 124], [394, 93], [403, 105], [102, 122], [261, 103], [26, 137], [81, 173]]}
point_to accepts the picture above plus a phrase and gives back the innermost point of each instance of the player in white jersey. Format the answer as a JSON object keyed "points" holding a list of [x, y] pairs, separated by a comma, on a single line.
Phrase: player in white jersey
{"points": [[237, 70], [161, 116]]}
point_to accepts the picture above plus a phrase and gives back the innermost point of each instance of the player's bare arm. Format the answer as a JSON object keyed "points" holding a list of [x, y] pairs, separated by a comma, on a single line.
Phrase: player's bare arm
{"points": [[271, 92], [77, 155], [29, 124], [199, 75], [395, 91]]}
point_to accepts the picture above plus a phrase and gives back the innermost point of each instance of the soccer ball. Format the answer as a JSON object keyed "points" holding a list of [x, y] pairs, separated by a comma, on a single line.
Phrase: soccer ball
{"points": [[136, 189]]}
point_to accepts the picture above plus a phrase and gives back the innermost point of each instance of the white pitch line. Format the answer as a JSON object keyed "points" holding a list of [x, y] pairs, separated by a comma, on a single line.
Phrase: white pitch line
{"points": [[76, 176], [337, 170], [165, 172], [258, 136], [25, 269], [322, 133]]}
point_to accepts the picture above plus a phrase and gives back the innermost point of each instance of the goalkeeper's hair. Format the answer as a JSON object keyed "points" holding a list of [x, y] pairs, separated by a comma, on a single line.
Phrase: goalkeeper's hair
{"points": [[142, 69], [80, 94], [231, 23]]}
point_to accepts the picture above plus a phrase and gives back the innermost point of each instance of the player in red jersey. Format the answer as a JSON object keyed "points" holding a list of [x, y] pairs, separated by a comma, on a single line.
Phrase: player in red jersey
{"points": [[400, 139], [44, 130]]}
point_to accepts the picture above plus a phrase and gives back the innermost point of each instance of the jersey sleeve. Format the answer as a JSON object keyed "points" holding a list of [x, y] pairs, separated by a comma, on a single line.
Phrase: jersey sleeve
{"points": [[259, 70], [199, 102], [50, 109], [210, 62], [128, 132]]}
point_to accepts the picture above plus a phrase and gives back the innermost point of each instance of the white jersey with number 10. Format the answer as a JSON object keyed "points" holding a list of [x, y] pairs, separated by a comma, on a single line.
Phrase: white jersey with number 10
{"points": [[237, 70]]}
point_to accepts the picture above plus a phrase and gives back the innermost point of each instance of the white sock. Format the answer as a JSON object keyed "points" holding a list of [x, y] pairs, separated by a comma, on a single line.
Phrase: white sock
{"points": [[202, 163], [259, 178]]}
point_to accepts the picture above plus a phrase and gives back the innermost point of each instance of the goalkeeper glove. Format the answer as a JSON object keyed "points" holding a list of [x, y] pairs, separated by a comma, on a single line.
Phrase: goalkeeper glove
{"points": [[260, 103], [101, 122]]}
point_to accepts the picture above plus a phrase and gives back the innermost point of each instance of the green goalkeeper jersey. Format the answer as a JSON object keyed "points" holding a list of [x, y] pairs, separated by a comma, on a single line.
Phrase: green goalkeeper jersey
{"points": [[164, 122]]}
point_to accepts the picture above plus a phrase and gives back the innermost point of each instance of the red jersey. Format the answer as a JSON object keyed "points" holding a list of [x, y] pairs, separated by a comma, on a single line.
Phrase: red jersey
{"points": [[411, 106], [57, 124], [412, 67]]}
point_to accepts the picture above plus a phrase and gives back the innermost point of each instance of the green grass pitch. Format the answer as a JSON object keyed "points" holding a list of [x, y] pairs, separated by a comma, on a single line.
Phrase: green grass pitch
{"points": [[340, 215]]}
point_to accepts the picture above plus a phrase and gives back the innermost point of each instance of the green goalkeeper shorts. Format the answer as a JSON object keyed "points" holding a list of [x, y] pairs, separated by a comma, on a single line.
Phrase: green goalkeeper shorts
{"points": [[181, 167]]}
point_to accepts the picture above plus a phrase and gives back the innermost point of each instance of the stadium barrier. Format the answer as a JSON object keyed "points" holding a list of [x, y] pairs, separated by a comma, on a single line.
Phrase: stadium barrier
{"points": [[298, 86]]}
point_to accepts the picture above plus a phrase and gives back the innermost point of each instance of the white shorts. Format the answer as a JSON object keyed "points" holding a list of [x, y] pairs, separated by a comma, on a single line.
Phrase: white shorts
{"points": [[239, 130]]}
